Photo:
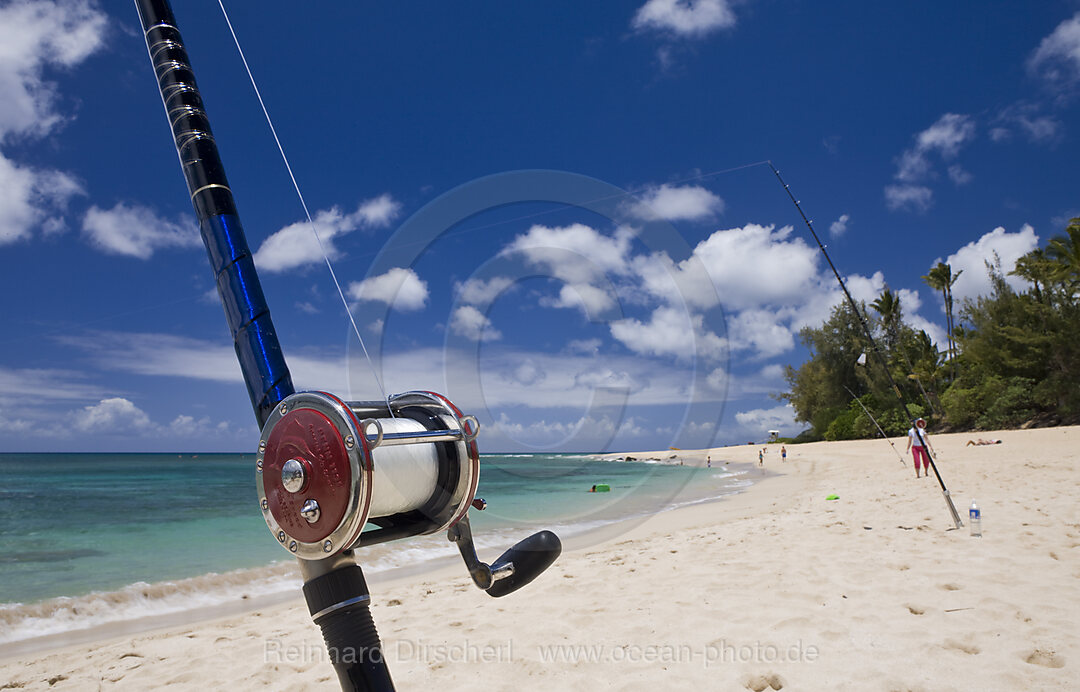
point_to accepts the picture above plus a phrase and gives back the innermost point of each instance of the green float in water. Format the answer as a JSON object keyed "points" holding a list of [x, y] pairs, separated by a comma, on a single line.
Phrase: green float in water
{"points": [[600, 488]]}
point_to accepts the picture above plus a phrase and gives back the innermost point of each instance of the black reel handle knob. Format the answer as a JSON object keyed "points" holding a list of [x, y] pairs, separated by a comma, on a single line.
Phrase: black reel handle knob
{"points": [[529, 558]]}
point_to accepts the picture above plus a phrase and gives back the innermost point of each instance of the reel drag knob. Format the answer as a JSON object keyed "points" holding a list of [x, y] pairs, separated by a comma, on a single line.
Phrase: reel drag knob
{"points": [[311, 478]]}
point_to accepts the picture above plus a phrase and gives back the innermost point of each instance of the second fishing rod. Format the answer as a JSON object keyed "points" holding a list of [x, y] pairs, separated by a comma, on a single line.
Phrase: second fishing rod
{"points": [[873, 348], [874, 421]]}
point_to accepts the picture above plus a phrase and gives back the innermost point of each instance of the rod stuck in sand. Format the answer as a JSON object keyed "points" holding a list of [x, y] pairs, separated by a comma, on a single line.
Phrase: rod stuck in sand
{"points": [[873, 348]]}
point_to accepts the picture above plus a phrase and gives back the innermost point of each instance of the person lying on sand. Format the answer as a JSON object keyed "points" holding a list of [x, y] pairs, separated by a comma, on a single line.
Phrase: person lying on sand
{"points": [[980, 442]]}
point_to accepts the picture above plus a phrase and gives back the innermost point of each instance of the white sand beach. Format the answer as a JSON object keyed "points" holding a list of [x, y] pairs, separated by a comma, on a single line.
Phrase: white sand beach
{"points": [[774, 588]]}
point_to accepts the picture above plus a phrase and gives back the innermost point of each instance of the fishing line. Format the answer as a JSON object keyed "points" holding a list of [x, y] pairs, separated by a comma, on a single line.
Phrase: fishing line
{"points": [[311, 222], [874, 347], [876, 425]]}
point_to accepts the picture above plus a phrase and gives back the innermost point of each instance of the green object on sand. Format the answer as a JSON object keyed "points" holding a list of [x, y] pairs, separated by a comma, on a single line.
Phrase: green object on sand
{"points": [[833, 497]]}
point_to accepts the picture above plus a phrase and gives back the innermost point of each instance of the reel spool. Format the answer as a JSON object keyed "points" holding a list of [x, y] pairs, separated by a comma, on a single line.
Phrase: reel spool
{"points": [[327, 468]]}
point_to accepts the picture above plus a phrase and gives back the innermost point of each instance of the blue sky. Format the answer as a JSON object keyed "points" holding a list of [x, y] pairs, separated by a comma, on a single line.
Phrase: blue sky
{"points": [[550, 212]]}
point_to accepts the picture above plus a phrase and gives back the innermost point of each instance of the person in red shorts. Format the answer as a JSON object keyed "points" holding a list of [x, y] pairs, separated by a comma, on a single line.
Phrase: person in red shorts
{"points": [[916, 447]]}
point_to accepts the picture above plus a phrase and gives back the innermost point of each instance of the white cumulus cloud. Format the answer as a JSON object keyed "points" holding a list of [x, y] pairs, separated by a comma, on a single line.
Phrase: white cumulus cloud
{"points": [[688, 18], [481, 292], [748, 266], [767, 281], [113, 415], [119, 416], [591, 300], [135, 231], [762, 331], [947, 135], [609, 379], [839, 227], [686, 203], [910, 197], [575, 254], [528, 373], [472, 324], [1057, 59], [31, 197], [669, 332], [36, 36], [188, 426], [958, 175], [972, 259], [588, 347], [1027, 119], [915, 167], [760, 420], [400, 288], [296, 246]]}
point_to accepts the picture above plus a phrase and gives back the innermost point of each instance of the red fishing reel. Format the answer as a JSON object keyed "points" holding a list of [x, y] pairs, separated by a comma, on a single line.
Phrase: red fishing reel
{"points": [[333, 476], [327, 468]]}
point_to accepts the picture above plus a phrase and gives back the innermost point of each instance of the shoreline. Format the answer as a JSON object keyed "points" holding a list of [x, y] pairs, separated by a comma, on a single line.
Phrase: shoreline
{"points": [[432, 571], [771, 588], [140, 607]]}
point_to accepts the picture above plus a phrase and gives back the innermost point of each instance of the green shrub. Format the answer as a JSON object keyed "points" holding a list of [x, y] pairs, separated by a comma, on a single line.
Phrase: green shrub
{"points": [[1008, 403], [895, 422], [892, 419], [862, 427], [993, 403], [807, 435], [961, 405], [842, 427]]}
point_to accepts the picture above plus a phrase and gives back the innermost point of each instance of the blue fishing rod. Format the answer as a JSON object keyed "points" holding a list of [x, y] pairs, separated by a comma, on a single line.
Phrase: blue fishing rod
{"points": [[873, 348], [331, 476]]}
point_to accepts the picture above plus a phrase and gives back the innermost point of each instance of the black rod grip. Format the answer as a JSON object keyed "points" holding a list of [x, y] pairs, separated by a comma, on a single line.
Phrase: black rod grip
{"points": [[340, 605]]}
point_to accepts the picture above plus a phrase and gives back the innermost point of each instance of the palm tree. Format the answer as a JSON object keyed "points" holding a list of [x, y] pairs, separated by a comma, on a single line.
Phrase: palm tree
{"points": [[1039, 269], [1065, 251], [927, 360], [941, 278], [888, 306]]}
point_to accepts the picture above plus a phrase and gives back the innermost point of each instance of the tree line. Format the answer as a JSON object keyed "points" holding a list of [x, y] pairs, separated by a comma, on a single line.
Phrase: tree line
{"points": [[1011, 358]]}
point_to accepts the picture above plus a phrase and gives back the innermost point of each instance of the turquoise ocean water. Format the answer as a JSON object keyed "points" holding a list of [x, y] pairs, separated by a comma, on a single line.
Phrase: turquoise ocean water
{"points": [[90, 539]]}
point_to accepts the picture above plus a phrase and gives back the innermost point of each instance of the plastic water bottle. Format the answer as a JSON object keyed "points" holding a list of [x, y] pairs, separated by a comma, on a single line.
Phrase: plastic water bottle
{"points": [[975, 520]]}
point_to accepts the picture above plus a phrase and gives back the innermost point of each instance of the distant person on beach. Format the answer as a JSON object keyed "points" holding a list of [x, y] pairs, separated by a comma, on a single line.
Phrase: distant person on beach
{"points": [[708, 461], [761, 457], [783, 453], [916, 447], [980, 442]]}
